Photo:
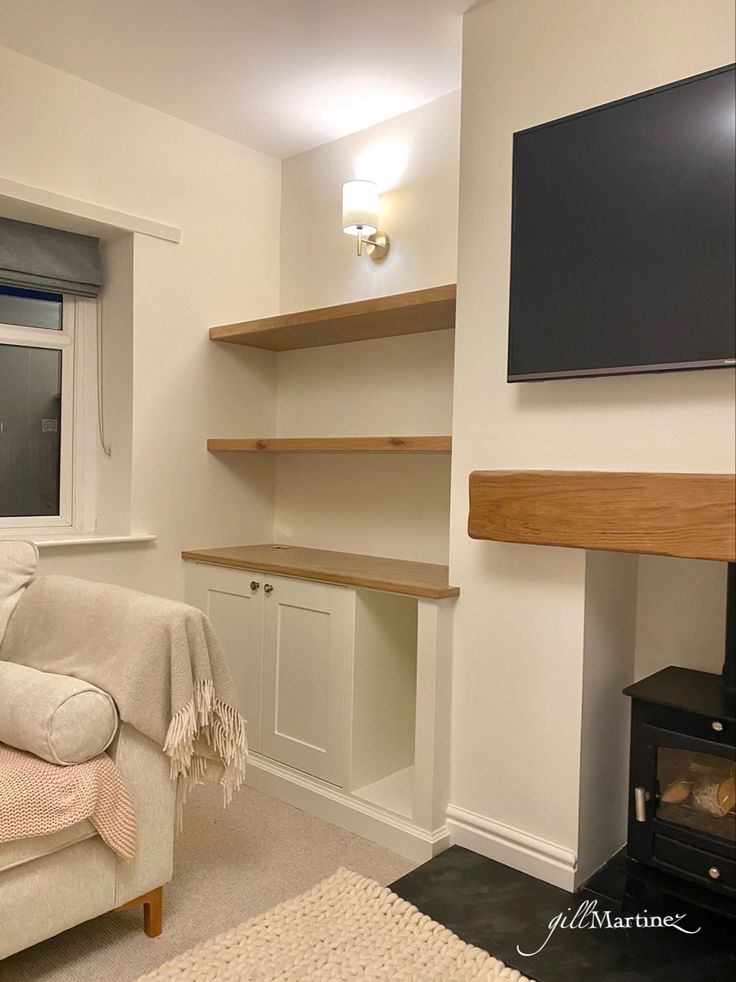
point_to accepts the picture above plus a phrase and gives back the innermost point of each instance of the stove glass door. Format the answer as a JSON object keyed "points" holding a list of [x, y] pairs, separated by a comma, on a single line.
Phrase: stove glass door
{"points": [[697, 791]]}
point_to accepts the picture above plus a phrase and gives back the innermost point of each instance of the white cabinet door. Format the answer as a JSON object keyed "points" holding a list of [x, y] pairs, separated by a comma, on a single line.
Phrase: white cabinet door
{"points": [[306, 657], [233, 601]]}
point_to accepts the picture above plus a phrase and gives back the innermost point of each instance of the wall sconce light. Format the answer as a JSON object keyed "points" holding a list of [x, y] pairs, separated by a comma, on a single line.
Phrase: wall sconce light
{"points": [[360, 218]]}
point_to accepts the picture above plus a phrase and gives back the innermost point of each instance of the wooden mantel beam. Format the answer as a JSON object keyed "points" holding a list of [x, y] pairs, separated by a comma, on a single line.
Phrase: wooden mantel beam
{"points": [[690, 516]]}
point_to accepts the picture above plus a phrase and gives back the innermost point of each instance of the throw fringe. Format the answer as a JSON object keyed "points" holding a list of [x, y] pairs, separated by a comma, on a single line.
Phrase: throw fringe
{"points": [[206, 731]]}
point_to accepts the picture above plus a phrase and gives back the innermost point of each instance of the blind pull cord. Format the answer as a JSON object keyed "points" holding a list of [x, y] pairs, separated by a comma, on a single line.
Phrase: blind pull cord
{"points": [[100, 384]]}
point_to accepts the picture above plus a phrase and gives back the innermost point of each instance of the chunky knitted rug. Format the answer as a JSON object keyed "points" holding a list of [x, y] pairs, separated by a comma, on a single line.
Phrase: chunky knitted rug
{"points": [[345, 928]]}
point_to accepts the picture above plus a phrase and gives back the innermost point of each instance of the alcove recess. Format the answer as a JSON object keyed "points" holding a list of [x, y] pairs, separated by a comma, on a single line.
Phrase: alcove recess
{"points": [[414, 313], [391, 784]]}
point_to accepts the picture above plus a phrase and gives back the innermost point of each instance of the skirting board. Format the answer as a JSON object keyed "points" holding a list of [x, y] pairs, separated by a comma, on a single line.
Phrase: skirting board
{"points": [[512, 847], [333, 805]]}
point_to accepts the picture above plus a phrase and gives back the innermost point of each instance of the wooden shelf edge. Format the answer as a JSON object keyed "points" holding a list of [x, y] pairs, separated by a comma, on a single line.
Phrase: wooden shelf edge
{"points": [[334, 444], [422, 580], [686, 516], [417, 312]]}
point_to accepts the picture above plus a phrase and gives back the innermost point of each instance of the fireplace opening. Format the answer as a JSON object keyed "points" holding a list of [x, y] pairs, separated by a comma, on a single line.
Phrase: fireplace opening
{"points": [[682, 775]]}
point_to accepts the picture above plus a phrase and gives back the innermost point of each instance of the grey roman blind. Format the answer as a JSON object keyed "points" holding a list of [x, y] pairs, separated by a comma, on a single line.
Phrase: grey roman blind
{"points": [[49, 259]]}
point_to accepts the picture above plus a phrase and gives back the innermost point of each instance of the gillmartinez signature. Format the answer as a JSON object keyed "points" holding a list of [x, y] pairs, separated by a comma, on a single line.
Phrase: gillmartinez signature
{"points": [[588, 918]]}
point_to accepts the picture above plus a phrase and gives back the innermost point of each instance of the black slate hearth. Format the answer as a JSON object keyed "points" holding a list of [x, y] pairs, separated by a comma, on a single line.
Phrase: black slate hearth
{"points": [[496, 908]]}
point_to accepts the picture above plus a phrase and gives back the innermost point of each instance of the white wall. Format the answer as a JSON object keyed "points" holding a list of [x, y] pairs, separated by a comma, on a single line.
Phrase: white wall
{"points": [[414, 160], [681, 615], [114, 474], [395, 386], [609, 645], [68, 136], [520, 620]]}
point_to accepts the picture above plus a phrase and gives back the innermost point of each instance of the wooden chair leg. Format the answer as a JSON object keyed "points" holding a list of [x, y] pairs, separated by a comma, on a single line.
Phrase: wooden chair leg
{"points": [[153, 912], [152, 904]]}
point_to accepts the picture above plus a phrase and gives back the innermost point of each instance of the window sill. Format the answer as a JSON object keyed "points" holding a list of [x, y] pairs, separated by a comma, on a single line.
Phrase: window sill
{"points": [[93, 540]]}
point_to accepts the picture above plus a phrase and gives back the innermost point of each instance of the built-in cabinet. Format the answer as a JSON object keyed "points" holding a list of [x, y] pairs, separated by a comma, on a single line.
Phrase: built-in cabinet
{"points": [[236, 611], [306, 655], [346, 695], [288, 644]]}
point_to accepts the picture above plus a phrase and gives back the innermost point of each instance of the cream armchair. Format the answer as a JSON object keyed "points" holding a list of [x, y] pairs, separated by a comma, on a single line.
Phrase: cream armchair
{"points": [[50, 883]]}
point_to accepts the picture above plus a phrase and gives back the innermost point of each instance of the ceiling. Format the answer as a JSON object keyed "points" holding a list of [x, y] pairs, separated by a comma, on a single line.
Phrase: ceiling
{"points": [[277, 75]]}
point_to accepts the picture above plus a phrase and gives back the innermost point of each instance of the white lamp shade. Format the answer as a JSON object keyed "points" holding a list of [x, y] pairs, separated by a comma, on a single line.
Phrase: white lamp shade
{"points": [[359, 207]]}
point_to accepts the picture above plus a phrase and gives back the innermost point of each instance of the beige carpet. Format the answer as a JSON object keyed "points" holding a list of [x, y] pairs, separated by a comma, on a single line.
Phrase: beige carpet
{"points": [[230, 866], [347, 927]]}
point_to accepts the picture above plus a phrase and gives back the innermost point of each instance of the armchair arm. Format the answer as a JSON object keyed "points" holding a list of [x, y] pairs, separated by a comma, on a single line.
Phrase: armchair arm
{"points": [[145, 771]]}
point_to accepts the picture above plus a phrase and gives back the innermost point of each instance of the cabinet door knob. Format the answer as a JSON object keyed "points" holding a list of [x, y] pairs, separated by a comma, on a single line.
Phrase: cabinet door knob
{"points": [[717, 726], [254, 585], [268, 588], [714, 873]]}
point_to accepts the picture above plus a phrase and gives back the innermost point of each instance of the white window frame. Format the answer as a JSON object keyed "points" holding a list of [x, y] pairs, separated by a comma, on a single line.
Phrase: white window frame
{"points": [[77, 342]]}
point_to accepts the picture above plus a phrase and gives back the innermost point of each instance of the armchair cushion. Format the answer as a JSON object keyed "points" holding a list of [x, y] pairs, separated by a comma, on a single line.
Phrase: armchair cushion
{"points": [[18, 562], [61, 719], [17, 852]]}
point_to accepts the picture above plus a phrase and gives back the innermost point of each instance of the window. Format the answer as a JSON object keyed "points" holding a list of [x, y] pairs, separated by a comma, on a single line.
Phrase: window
{"points": [[45, 339]]}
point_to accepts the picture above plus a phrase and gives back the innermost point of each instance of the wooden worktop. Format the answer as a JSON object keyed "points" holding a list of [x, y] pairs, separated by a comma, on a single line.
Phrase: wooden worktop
{"points": [[390, 575]]}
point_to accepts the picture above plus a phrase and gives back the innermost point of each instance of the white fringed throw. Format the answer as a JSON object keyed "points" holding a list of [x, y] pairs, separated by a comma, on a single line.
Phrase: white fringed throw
{"points": [[159, 659], [206, 733]]}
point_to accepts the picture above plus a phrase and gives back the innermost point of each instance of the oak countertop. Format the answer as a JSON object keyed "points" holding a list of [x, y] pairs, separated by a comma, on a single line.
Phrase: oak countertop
{"points": [[427, 580]]}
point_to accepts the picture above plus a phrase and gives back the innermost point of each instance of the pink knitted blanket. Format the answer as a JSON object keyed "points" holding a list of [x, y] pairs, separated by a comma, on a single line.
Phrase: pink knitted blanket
{"points": [[38, 798]]}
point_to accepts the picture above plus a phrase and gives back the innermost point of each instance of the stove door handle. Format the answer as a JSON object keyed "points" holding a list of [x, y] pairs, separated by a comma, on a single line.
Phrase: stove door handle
{"points": [[641, 797]]}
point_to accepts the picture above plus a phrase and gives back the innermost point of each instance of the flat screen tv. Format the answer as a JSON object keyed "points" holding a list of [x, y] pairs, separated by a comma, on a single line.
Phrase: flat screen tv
{"points": [[622, 246]]}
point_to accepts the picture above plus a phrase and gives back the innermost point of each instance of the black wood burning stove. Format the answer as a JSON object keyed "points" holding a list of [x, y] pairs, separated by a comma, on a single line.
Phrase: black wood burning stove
{"points": [[682, 795]]}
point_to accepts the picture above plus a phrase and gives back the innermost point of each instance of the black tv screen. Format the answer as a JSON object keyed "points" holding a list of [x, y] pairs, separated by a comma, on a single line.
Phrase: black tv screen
{"points": [[622, 247]]}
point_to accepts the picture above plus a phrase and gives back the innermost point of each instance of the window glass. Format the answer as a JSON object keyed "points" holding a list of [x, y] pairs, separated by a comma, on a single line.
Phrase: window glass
{"points": [[30, 430], [30, 308]]}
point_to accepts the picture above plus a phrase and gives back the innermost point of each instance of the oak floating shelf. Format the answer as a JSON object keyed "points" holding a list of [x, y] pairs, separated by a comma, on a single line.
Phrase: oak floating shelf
{"points": [[690, 516], [375, 573], [418, 312], [335, 444]]}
